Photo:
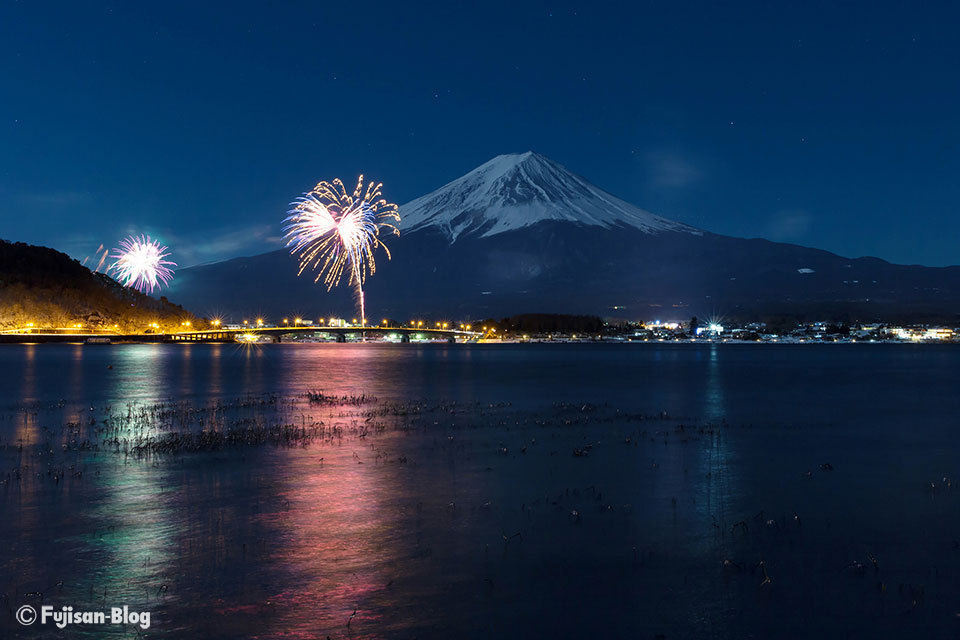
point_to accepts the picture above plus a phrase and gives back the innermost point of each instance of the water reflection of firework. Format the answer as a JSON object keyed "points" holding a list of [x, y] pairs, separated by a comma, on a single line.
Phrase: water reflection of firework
{"points": [[333, 232]]}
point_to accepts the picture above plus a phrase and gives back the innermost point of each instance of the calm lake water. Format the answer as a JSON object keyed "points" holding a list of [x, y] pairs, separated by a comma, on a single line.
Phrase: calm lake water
{"points": [[484, 491]]}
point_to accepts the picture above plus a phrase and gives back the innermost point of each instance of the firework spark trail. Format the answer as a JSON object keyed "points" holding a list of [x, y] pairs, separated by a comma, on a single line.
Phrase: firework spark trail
{"points": [[333, 232], [103, 257], [140, 263]]}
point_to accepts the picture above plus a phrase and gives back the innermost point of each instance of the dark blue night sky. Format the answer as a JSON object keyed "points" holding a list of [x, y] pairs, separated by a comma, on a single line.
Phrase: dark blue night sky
{"points": [[826, 124]]}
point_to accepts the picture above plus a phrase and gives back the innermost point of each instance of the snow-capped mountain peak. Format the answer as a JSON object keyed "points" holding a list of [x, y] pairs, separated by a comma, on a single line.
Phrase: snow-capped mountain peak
{"points": [[517, 190]]}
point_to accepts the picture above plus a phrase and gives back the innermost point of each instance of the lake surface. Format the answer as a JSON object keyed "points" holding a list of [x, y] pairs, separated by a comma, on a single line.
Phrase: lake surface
{"points": [[481, 491]]}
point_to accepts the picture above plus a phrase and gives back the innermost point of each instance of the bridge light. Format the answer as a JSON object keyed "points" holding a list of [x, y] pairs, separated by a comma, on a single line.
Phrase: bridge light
{"points": [[285, 321], [259, 322], [244, 322], [297, 321]]}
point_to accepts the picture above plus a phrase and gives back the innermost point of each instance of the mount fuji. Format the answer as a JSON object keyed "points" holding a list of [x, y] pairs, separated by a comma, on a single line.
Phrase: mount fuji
{"points": [[516, 191], [521, 233]]}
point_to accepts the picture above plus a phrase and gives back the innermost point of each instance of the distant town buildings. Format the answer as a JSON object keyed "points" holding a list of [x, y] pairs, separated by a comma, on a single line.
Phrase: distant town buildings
{"points": [[820, 331], [916, 334]]}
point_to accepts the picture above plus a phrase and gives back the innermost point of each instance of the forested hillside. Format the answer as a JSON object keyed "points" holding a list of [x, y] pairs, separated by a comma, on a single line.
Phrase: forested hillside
{"points": [[48, 288]]}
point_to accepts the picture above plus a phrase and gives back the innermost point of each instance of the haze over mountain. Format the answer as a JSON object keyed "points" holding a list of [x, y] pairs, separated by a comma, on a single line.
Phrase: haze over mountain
{"points": [[521, 233]]}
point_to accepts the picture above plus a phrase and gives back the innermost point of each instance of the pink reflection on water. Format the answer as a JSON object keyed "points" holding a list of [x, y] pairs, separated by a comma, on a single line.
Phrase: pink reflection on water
{"points": [[334, 541]]}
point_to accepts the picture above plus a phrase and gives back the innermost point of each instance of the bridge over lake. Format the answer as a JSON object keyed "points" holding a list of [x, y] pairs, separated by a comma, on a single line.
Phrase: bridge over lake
{"points": [[253, 334]]}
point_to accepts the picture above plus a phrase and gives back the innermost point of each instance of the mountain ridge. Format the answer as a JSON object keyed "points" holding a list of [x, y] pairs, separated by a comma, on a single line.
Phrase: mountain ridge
{"points": [[516, 190], [470, 250]]}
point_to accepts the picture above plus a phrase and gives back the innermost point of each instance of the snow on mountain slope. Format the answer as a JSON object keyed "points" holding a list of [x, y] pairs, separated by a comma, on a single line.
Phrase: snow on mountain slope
{"points": [[517, 190]]}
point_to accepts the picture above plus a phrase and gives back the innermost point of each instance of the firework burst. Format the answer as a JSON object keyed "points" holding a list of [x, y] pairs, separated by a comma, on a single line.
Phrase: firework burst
{"points": [[333, 232], [140, 263]]}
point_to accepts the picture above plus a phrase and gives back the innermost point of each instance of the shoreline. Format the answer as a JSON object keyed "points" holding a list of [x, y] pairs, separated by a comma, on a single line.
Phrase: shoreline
{"points": [[100, 342]]}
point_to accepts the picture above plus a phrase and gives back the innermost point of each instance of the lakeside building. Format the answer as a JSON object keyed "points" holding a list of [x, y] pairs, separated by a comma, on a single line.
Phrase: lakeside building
{"points": [[923, 333]]}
